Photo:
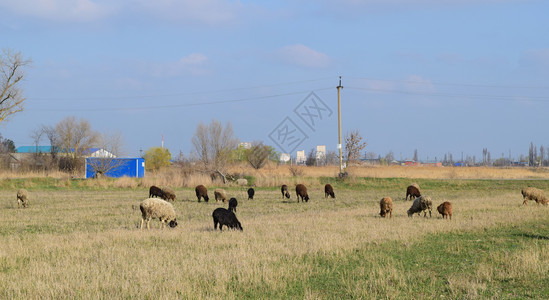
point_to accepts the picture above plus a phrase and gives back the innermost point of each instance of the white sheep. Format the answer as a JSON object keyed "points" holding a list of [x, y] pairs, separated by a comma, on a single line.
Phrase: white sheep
{"points": [[157, 208], [242, 181], [420, 204], [220, 194], [532, 193]]}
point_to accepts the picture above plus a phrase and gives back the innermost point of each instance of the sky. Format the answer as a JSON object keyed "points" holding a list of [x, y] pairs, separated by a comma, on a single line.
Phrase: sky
{"points": [[436, 76]]}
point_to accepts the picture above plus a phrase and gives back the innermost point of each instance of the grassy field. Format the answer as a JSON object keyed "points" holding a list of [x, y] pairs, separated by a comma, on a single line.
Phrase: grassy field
{"points": [[80, 240]]}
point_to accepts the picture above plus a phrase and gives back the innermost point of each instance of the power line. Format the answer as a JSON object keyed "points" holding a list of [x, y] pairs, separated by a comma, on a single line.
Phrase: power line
{"points": [[67, 98], [455, 95], [453, 84], [175, 106]]}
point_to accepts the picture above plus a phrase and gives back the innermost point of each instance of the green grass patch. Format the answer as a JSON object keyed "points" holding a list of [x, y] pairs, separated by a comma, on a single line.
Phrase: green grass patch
{"points": [[499, 263]]}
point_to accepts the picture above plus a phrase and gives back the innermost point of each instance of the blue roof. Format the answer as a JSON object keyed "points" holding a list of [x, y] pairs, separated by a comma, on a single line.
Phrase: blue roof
{"points": [[47, 149], [33, 149]]}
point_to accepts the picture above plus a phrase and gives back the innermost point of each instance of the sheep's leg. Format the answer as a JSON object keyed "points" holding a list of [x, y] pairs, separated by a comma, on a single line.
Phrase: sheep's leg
{"points": [[142, 220]]}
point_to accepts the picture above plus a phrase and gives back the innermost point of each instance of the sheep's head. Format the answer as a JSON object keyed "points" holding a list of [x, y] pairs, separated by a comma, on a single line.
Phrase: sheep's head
{"points": [[332, 194], [306, 198], [206, 198], [172, 223], [239, 226], [287, 195]]}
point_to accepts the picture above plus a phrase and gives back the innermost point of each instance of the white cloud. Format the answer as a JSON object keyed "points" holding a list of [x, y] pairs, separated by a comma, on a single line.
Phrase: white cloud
{"points": [[191, 64], [59, 10], [303, 56]]}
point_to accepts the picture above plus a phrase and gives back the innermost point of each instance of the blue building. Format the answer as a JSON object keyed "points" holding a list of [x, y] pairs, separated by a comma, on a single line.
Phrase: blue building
{"points": [[117, 167]]}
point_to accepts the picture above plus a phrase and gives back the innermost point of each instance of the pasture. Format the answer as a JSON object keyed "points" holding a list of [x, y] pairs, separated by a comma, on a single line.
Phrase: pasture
{"points": [[77, 241]]}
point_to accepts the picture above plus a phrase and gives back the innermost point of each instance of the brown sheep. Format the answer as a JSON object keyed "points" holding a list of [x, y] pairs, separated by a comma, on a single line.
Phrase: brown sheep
{"points": [[155, 191], [445, 209], [22, 198], [220, 194], [532, 193], [201, 192], [284, 190], [329, 191], [301, 191], [412, 191], [386, 206], [169, 194]]}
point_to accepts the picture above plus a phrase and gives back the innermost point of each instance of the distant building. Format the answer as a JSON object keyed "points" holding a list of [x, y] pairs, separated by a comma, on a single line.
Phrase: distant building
{"points": [[301, 158], [284, 157], [321, 153], [245, 145], [119, 167], [91, 152]]}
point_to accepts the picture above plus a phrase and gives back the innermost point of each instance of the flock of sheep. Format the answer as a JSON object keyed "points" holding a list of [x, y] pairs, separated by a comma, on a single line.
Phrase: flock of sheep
{"points": [[158, 204]]}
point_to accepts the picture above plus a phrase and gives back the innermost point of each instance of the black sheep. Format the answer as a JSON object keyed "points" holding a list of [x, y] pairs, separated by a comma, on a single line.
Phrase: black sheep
{"points": [[251, 194], [329, 191], [201, 192], [225, 217], [232, 204], [284, 190], [301, 191], [155, 191]]}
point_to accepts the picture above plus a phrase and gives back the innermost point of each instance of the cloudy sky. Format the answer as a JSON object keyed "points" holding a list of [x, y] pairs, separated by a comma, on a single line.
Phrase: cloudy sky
{"points": [[439, 76]]}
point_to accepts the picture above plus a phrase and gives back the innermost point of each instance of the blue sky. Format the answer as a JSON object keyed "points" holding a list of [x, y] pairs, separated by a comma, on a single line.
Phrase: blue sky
{"points": [[437, 76]]}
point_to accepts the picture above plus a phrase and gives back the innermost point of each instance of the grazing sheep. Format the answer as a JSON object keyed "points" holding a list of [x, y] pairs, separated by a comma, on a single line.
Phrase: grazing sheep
{"points": [[155, 191], [156, 208], [412, 191], [329, 191], [386, 206], [232, 204], [445, 209], [284, 190], [225, 217], [301, 191], [532, 193], [22, 198], [422, 203], [242, 181], [251, 193], [169, 194], [201, 192], [220, 194]]}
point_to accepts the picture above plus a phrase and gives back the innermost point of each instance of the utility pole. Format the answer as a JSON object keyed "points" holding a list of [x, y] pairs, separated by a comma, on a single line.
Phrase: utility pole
{"points": [[339, 87]]}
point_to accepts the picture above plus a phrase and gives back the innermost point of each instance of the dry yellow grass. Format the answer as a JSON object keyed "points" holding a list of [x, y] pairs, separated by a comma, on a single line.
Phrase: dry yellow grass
{"points": [[85, 244], [403, 172]]}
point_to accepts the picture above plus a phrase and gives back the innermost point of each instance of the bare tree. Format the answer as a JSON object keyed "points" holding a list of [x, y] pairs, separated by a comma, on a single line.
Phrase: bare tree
{"points": [[541, 155], [75, 136], [11, 74], [354, 146], [213, 145]]}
